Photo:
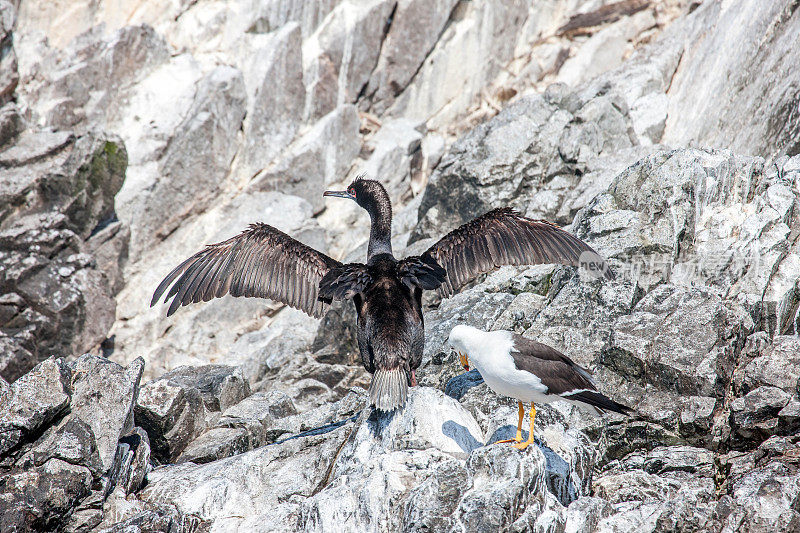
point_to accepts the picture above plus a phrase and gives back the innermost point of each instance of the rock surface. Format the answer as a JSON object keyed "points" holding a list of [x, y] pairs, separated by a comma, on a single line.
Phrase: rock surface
{"points": [[56, 192], [663, 133]]}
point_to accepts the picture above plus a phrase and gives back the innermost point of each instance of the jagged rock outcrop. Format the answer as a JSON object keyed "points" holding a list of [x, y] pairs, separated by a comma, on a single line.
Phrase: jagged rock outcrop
{"points": [[61, 426], [57, 199]]}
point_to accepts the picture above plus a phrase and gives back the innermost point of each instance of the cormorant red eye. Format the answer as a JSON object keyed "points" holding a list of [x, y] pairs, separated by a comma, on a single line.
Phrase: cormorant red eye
{"points": [[352, 191]]}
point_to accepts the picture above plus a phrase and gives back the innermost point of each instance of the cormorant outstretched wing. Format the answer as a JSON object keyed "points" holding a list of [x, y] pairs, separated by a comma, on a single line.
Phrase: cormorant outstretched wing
{"points": [[504, 237], [421, 271], [344, 281], [261, 261]]}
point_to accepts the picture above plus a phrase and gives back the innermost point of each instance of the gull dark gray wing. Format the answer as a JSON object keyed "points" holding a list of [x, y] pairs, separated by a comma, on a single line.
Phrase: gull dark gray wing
{"points": [[560, 374], [344, 281], [260, 262], [504, 237], [422, 272]]}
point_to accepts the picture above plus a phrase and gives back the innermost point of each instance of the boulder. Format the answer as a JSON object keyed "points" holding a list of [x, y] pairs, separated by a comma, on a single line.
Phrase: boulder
{"points": [[33, 401], [177, 407], [103, 397], [40, 498]]}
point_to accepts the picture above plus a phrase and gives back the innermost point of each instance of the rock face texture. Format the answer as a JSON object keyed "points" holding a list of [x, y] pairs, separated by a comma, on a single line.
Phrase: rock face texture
{"points": [[60, 246], [665, 134]]}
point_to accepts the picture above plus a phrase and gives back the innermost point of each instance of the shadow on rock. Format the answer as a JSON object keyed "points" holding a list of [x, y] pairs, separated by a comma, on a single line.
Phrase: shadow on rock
{"points": [[458, 386], [461, 435], [379, 420], [327, 428]]}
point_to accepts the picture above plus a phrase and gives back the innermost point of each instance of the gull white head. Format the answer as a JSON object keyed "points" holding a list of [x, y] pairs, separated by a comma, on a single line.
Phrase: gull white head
{"points": [[458, 341], [475, 344]]}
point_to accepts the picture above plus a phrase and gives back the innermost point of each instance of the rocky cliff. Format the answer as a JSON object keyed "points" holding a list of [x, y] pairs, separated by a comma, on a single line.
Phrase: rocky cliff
{"points": [[666, 134]]}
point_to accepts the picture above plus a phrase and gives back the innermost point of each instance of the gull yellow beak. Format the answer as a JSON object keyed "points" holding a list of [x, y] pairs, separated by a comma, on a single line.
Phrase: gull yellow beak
{"points": [[464, 361]]}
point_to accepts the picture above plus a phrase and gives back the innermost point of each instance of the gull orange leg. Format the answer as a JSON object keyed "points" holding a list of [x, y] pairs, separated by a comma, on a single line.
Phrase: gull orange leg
{"points": [[519, 426], [523, 445]]}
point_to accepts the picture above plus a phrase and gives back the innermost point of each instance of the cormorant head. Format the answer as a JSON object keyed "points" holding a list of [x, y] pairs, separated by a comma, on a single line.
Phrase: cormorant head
{"points": [[369, 194]]}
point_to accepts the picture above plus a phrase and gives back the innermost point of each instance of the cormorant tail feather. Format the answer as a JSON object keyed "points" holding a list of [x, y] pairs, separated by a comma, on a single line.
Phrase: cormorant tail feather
{"points": [[389, 389]]}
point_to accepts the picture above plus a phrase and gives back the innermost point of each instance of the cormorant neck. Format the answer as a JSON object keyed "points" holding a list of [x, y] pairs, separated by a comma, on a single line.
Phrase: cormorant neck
{"points": [[380, 231]]}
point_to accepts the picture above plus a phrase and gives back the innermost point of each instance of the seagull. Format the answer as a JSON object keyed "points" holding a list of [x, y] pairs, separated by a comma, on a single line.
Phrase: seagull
{"points": [[264, 262], [528, 371]]}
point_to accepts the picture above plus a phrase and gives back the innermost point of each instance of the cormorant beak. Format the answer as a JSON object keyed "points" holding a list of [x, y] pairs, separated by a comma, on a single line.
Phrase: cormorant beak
{"points": [[339, 194], [464, 361]]}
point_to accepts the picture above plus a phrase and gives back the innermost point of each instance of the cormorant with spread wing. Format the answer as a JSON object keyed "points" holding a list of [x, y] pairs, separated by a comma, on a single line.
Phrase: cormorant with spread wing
{"points": [[265, 262]]}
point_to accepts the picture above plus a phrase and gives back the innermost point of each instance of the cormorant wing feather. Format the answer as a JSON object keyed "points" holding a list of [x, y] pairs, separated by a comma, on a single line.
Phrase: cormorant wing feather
{"points": [[261, 261], [421, 271], [504, 237], [345, 281]]}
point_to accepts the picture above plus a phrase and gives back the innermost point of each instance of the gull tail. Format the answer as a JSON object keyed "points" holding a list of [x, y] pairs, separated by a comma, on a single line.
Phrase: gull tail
{"points": [[598, 401], [389, 389]]}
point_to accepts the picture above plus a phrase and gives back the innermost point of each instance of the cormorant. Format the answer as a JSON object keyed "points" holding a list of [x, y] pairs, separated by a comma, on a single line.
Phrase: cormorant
{"points": [[527, 371], [265, 262]]}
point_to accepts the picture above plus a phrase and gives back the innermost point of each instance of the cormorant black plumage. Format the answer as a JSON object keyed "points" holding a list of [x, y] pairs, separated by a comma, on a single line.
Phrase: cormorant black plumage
{"points": [[265, 262]]}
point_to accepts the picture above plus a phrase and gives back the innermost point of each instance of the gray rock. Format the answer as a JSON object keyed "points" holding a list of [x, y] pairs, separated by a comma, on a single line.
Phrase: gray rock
{"points": [[104, 395], [764, 497], [755, 415], [257, 415], [220, 386], [269, 16], [395, 147], [764, 96], [56, 188], [109, 246], [668, 487], [216, 443], [192, 166], [155, 518], [671, 321], [9, 77], [85, 85], [778, 365], [33, 401], [14, 359], [339, 57], [447, 83], [39, 499], [320, 157], [178, 406], [172, 415], [71, 441], [187, 485], [276, 96], [131, 462], [11, 123], [583, 514], [415, 28]]}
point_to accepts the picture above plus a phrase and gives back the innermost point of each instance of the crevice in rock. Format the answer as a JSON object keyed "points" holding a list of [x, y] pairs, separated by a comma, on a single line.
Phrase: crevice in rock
{"points": [[399, 90], [357, 422], [386, 28]]}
